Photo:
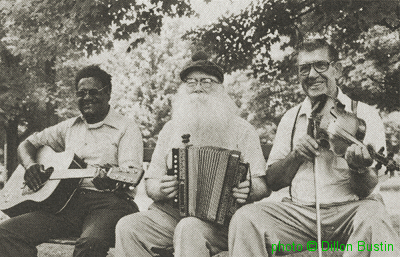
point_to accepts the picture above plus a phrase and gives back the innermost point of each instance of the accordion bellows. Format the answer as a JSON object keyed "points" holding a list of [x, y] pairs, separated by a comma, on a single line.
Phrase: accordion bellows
{"points": [[206, 178]]}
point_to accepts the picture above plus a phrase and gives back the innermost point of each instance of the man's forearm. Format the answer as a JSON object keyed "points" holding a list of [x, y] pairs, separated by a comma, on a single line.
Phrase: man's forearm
{"points": [[153, 189], [26, 153], [364, 181], [259, 189], [281, 173]]}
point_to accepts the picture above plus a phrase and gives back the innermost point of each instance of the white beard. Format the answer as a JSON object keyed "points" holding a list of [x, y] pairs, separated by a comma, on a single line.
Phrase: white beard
{"points": [[207, 118]]}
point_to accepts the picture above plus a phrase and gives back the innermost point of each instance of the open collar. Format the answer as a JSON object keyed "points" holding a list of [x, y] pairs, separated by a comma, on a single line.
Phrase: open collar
{"points": [[306, 108], [113, 119]]}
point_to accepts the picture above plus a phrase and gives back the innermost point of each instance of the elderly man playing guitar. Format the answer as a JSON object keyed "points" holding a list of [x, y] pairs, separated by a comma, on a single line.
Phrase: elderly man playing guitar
{"points": [[100, 137]]}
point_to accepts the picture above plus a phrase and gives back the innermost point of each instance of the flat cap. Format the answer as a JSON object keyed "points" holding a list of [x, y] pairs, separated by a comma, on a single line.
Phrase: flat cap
{"points": [[201, 62]]}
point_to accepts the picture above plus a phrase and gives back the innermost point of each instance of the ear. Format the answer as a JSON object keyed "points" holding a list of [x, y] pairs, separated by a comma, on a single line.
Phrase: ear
{"points": [[338, 69]]}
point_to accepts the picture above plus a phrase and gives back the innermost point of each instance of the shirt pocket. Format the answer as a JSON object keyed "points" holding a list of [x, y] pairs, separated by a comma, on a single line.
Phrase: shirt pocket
{"points": [[107, 148]]}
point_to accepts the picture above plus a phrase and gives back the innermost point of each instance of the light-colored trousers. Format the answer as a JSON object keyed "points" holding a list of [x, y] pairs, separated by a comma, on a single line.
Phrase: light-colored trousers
{"points": [[142, 233], [268, 228]]}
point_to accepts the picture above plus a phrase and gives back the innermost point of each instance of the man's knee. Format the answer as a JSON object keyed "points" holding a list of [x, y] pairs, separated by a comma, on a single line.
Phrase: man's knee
{"points": [[131, 226], [246, 216], [189, 226], [124, 225], [370, 212]]}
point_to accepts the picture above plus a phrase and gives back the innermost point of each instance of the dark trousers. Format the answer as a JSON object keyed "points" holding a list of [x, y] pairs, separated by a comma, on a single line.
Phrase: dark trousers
{"points": [[90, 215]]}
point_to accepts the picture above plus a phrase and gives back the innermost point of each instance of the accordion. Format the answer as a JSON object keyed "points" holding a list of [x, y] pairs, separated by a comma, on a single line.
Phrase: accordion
{"points": [[206, 178]]}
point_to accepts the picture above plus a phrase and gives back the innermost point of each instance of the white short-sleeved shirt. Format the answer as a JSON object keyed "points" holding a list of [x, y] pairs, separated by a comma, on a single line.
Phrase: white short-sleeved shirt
{"points": [[335, 177], [116, 140]]}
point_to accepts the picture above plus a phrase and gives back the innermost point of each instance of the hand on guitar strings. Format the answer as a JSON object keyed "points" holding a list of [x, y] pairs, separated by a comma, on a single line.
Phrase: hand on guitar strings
{"points": [[169, 186], [242, 192], [358, 157], [33, 176], [101, 181]]}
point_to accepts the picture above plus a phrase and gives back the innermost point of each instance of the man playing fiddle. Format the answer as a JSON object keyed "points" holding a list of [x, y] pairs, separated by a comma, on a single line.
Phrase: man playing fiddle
{"points": [[99, 136], [203, 109], [349, 212]]}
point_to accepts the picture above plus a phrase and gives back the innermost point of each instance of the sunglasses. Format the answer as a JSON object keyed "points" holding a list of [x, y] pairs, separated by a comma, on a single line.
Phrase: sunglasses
{"points": [[207, 82], [320, 66], [90, 92]]}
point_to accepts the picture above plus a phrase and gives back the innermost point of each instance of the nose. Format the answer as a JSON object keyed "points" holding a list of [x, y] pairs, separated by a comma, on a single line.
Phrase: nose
{"points": [[198, 88], [313, 73], [86, 95]]}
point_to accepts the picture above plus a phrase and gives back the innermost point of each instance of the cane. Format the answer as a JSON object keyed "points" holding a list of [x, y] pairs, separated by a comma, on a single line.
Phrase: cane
{"points": [[312, 131]]}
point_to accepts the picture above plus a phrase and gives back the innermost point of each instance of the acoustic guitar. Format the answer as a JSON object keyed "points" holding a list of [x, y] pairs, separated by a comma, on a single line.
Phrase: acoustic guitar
{"points": [[17, 198]]}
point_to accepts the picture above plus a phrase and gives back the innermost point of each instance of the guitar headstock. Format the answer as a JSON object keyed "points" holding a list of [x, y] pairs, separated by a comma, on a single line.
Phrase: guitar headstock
{"points": [[127, 175]]}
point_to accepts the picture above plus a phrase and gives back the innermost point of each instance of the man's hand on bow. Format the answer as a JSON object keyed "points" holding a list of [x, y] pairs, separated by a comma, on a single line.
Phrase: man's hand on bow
{"points": [[242, 192], [358, 158], [32, 176], [306, 148]]}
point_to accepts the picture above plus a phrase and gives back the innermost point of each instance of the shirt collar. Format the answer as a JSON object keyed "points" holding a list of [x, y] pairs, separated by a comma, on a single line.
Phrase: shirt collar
{"points": [[305, 108], [112, 119]]}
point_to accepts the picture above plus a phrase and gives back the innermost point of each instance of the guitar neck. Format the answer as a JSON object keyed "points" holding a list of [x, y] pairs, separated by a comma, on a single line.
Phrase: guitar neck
{"points": [[72, 173]]}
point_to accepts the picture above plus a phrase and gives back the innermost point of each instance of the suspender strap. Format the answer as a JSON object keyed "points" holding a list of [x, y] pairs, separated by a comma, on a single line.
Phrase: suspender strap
{"points": [[294, 128], [291, 140]]}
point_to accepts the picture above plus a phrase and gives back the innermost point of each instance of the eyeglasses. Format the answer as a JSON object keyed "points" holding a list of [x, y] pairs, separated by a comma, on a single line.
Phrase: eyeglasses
{"points": [[90, 92], [320, 66], [206, 82]]}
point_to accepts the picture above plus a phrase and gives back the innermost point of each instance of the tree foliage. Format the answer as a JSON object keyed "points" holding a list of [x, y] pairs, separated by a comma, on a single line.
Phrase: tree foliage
{"points": [[366, 34], [53, 27], [39, 35], [42, 34]]}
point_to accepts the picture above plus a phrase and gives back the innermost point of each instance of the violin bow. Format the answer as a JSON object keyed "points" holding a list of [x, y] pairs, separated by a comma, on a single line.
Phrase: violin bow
{"points": [[312, 130]]}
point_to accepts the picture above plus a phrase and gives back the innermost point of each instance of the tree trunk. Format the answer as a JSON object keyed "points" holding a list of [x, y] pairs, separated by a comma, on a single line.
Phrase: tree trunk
{"points": [[12, 141]]}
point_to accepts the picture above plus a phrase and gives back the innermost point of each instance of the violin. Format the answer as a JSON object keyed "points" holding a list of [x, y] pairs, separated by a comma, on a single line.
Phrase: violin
{"points": [[342, 129]]}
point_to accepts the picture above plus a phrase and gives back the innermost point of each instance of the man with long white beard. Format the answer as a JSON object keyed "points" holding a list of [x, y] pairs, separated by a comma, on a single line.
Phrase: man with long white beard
{"points": [[203, 109]]}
